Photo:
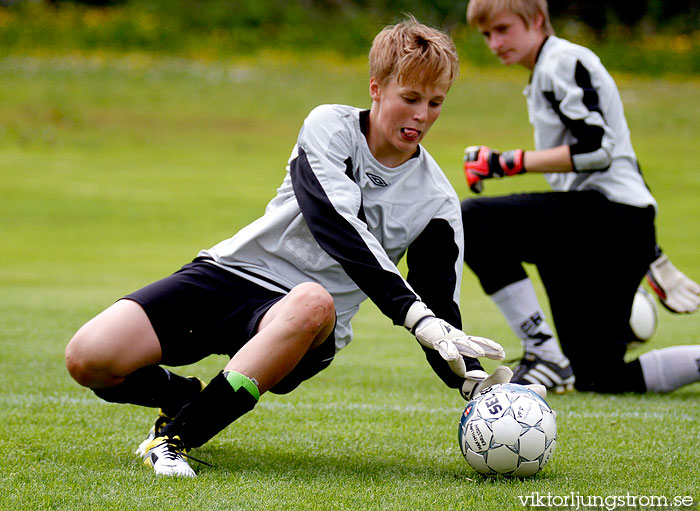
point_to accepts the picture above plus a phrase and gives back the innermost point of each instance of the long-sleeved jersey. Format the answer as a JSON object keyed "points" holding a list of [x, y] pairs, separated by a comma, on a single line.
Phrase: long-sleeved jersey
{"points": [[344, 220], [572, 100]]}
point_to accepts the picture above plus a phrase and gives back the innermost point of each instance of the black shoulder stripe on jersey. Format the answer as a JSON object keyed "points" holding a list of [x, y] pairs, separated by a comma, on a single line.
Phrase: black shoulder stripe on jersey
{"points": [[431, 260], [348, 169], [589, 138], [343, 243], [349, 172], [590, 94]]}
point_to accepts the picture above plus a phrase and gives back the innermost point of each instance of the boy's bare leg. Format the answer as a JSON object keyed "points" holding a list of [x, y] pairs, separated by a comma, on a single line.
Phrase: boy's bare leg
{"points": [[297, 323], [300, 321], [112, 345]]}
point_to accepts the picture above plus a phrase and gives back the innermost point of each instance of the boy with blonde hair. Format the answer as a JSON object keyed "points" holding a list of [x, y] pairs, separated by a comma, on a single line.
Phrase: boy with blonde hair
{"points": [[278, 297], [592, 239]]}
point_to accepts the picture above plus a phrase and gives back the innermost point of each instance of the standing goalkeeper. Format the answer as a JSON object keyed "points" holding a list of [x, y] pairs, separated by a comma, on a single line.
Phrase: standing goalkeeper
{"points": [[592, 238]]}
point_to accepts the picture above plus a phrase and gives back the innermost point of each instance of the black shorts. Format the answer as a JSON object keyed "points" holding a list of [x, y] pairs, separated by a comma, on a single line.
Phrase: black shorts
{"points": [[203, 310]]}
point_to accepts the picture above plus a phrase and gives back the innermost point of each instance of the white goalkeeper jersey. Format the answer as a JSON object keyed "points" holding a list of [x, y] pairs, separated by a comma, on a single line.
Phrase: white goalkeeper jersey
{"points": [[572, 100], [344, 220]]}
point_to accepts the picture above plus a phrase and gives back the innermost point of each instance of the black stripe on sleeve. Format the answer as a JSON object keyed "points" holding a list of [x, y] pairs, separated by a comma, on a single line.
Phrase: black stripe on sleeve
{"points": [[590, 94], [589, 138], [431, 261], [336, 235]]}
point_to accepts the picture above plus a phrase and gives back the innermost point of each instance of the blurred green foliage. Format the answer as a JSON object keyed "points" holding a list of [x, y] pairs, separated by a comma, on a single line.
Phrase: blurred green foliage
{"points": [[656, 40]]}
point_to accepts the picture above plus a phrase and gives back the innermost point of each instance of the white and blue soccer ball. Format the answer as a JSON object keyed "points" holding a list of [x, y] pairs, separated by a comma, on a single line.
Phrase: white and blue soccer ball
{"points": [[508, 429]]}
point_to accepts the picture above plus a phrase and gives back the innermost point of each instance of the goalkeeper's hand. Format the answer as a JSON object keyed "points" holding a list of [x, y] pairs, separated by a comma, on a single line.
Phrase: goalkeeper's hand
{"points": [[676, 291], [482, 162], [475, 381], [450, 342]]}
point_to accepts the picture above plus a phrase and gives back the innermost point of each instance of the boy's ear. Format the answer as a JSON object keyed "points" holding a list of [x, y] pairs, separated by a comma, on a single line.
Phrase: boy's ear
{"points": [[375, 91], [538, 21]]}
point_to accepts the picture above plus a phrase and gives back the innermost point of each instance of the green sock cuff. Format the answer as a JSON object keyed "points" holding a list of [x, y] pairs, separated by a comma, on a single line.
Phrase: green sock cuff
{"points": [[238, 380]]}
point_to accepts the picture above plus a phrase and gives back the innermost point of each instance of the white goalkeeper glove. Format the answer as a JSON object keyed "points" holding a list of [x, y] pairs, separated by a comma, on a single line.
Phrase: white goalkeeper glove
{"points": [[449, 341], [476, 381], [676, 291]]}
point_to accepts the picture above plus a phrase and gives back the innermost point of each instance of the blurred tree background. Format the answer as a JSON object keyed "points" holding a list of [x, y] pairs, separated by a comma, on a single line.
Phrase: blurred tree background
{"points": [[649, 36]]}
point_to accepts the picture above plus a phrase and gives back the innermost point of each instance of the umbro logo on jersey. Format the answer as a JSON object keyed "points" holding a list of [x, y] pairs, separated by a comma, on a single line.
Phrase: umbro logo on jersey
{"points": [[377, 180]]}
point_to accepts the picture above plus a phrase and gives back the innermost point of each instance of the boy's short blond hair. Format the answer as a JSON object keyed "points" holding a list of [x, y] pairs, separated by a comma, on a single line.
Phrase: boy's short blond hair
{"points": [[479, 12], [413, 53]]}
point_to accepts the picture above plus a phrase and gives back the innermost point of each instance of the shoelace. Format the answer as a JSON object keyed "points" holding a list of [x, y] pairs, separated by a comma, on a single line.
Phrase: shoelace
{"points": [[175, 449]]}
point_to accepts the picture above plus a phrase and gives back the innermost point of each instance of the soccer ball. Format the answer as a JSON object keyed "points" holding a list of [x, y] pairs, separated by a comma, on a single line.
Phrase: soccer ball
{"points": [[644, 317], [508, 429]]}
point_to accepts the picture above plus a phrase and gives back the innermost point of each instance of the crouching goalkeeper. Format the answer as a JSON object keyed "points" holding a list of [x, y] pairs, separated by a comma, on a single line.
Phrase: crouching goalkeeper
{"points": [[277, 298]]}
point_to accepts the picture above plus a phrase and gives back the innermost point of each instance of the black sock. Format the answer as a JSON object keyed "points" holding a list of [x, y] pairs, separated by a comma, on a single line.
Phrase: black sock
{"points": [[153, 386], [217, 406]]}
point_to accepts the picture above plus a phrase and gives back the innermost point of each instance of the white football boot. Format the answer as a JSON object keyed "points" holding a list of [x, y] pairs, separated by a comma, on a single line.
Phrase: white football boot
{"points": [[167, 457]]}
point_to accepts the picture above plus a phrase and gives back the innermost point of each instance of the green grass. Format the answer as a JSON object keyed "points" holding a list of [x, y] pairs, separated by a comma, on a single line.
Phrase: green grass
{"points": [[113, 173]]}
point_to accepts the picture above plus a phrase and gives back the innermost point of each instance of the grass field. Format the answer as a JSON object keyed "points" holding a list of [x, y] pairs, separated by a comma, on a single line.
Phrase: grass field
{"points": [[115, 171]]}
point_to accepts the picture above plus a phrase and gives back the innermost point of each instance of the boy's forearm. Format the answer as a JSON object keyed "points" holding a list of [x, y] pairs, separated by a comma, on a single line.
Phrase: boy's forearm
{"points": [[556, 159]]}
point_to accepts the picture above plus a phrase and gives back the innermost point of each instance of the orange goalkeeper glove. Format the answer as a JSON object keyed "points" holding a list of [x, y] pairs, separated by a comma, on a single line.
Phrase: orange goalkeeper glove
{"points": [[482, 162]]}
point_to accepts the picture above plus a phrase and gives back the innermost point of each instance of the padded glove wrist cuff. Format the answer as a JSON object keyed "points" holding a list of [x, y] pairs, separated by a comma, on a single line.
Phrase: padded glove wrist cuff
{"points": [[415, 314], [513, 162]]}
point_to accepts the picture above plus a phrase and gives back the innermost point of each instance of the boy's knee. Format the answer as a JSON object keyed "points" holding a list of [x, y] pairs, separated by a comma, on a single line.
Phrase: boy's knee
{"points": [[315, 304], [84, 363], [479, 222], [468, 207], [472, 209], [77, 361]]}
